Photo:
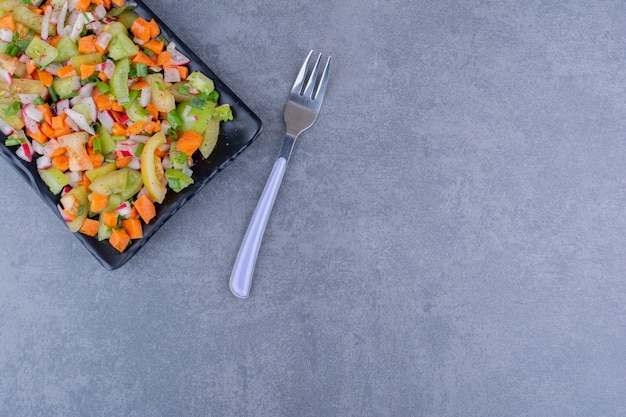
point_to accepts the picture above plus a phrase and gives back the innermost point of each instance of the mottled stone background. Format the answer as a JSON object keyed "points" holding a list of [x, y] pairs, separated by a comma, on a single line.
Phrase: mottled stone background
{"points": [[448, 241]]}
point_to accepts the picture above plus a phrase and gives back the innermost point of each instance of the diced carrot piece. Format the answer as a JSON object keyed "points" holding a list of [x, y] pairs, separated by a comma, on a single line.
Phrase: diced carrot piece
{"points": [[164, 60], [102, 76], [107, 4], [86, 71], [47, 130], [62, 132], [87, 44], [58, 122], [96, 159], [90, 227], [85, 181], [60, 151], [133, 228], [189, 142], [7, 22], [150, 127], [83, 5], [98, 202], [31, 67], [135, 128], [61, 162], [103, 102], [153, 111], [54, 40], [123, 161], [45, 77], [109, 218], [66, 71], [118, 107], [119, 239], [118, 3], [139, 85], [145, 208], [134, 214], [69, 215], [118, 130], [142, 58], [154, 46], [47, 112], [155, 30], [39, 136], [183, 71], [141, 29]]}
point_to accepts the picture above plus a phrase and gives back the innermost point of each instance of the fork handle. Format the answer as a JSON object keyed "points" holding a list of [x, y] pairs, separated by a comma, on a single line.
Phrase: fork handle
{"points": [[241, 277]]}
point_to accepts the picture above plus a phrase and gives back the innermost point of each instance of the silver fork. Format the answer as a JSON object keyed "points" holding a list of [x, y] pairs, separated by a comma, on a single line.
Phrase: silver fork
{"points": [[301, 111]]}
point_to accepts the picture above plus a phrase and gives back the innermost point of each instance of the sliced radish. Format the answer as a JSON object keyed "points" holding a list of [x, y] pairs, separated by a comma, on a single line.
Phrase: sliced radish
{"points": [[27, 98], [80, 121], [75, 177], [6, 128], [122, 153], [61, 19], [76, 85], [171, 75], [106, 119], [44, 162], [6, 35], [53, 68], [177, 57], [51, 146], [30, 125], [100, 12], [38, 148], [25, 151], [62, 105], [139, 138], [86, 90], [146, 96], [29, 110], [108, 68], [167, 162], [135, 164], [123, 118], [45, 23], [103, 39], [6, 77], [124, 210], [71, 123]]}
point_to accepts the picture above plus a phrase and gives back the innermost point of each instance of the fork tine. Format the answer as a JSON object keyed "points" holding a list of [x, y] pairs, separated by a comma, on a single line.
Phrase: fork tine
{"points": [[297, 85], [321, 89], [308, 90]]}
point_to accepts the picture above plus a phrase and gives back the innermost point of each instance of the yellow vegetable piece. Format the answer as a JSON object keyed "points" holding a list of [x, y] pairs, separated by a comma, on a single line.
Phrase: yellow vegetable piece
{"points": [[149, 168]]}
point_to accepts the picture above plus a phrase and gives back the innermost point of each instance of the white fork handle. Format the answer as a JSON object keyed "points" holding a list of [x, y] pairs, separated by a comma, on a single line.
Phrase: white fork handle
{"points": [[241, 277]]}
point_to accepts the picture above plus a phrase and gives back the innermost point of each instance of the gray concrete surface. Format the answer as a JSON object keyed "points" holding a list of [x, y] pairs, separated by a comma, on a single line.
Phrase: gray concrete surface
{"points": [[449, 239]]}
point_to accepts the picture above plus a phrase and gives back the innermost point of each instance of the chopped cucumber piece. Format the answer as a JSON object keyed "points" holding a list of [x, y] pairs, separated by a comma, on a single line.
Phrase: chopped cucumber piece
{"points": [[66, 48], [201, 82], [41, 52], [122, 46], [177, 180], [54, 179], [119, 81], [62, 86]]}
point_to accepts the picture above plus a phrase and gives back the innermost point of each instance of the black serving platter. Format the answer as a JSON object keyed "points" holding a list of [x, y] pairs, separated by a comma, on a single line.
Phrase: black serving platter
{"points": [[235, 137]]}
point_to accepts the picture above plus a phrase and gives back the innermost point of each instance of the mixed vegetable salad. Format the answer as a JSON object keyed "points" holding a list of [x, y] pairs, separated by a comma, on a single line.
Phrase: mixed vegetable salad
{"points": [[106, 108]]}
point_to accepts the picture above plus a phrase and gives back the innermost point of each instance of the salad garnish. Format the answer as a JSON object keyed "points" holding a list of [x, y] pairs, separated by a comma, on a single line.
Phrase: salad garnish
{"points": [[106, 108]]}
